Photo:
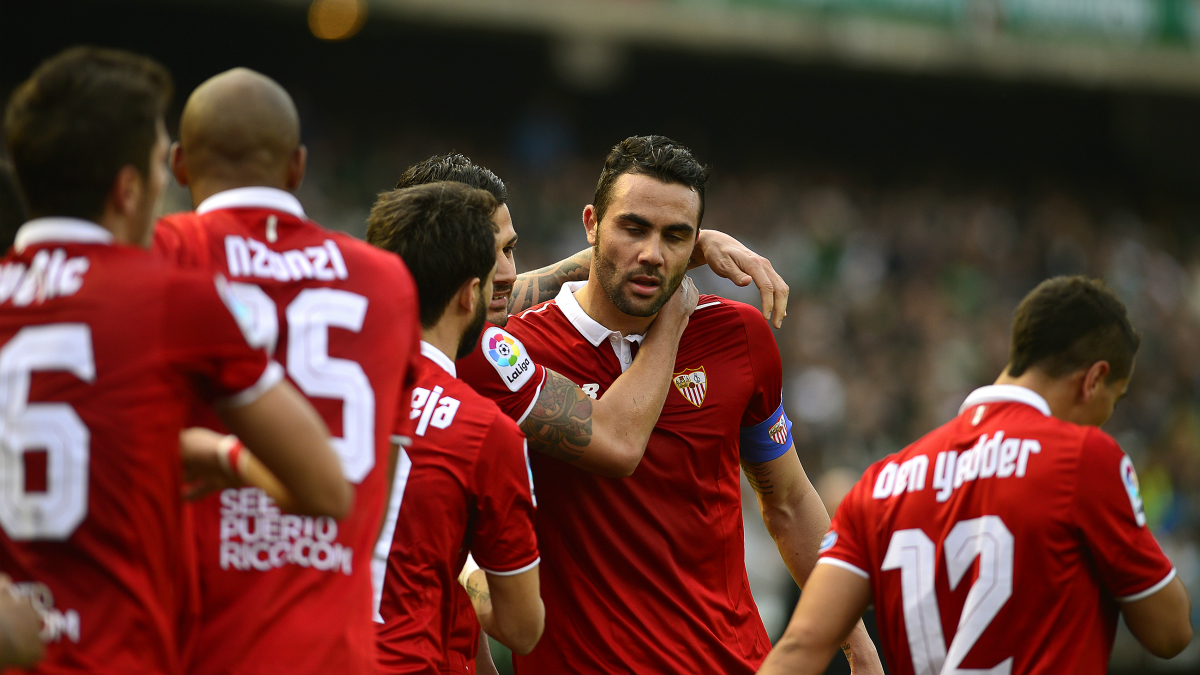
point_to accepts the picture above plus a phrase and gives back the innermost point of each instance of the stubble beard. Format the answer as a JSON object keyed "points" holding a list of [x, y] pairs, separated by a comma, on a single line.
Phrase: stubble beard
{"points": [[470, 336], [612, 281]]}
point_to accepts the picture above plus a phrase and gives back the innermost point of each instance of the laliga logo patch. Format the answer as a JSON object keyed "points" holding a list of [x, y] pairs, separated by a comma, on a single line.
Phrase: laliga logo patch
{"points": [[1130, 480], [778, 431], [828, 541], [503, 350], [693, 384], [508, 356]]}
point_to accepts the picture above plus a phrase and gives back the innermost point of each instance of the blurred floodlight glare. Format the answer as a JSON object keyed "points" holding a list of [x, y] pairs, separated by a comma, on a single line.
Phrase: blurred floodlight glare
{"points": [[336, 19]]}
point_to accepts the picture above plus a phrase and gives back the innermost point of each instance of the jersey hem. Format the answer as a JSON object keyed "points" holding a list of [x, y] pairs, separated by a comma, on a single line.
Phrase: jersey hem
{"points": [[272, 375], [844, 565], [515, 572], [1150, 591]]}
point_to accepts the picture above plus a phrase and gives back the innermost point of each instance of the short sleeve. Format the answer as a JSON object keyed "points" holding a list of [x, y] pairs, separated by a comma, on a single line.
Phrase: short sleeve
{"points": [[1108, 512], [503, 541], [501, 369], [766, 430], [845, 544], [205, 328]]}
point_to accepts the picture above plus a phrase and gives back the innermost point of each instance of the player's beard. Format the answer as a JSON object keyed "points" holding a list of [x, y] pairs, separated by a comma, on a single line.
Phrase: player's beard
{"points": [[470, 335], [613, 282]]}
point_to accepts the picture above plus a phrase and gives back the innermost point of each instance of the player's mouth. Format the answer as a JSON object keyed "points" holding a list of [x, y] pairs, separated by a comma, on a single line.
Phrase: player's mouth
{"points": [[500, 298], [645, 285]]}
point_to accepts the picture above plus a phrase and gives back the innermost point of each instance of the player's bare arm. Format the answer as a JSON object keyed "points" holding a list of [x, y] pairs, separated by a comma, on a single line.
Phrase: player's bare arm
{"points": [[290, 439], [608, 436], [832, 602], [796, 519], [1161, 622], [509, 607], [726, 256], [484, 665], [20, 644]]}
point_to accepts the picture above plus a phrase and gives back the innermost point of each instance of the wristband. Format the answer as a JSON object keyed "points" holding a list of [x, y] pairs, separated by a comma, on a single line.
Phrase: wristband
{"points": [[468, 567], [229, 452]]}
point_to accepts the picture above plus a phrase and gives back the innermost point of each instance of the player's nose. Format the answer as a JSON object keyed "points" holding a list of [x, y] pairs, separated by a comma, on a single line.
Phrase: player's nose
{"points": [[650, 253]]}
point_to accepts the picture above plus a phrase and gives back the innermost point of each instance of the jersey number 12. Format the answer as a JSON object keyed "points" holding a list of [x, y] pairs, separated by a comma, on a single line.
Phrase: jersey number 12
{"points": [[914, 554]]}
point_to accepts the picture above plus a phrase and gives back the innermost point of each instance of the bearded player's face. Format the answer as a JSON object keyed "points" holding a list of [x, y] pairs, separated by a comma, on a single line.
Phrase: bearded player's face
{"points": [[642, 247], [506, 268]]}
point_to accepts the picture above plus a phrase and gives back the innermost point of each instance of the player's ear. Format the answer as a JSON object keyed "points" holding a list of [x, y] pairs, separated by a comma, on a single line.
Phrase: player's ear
{"points": [[179, 164], [590, 224], [127, 189], [1094, 379], [297, 164], [468, 295]]}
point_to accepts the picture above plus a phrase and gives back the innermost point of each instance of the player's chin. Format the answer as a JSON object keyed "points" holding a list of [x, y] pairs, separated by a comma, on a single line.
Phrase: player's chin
{"points": [[498, 317], [641, 305]]}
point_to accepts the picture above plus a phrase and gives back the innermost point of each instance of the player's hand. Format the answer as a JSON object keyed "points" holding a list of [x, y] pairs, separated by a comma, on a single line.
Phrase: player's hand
{"points": [[728, 258], [203, 471], [20, 626]]}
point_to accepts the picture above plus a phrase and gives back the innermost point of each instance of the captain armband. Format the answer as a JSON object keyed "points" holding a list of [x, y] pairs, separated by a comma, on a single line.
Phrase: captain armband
{"points": [[768, 439]]}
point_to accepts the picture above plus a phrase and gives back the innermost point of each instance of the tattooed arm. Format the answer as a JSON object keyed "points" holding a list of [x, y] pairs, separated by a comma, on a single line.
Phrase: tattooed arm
{"points": [[607, 436], [726, 256], [797, 521], [543, 284]]}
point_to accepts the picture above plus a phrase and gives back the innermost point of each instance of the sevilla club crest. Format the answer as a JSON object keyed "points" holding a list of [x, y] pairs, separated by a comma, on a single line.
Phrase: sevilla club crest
{"points": [[692, 383], [778, 431]]}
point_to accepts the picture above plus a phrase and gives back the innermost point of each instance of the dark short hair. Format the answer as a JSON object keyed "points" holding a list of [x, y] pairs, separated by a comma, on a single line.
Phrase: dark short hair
{"points": [[12, 209], [444, 233], [83, 116], [456, 167], [1069, 323], [655, 156]]}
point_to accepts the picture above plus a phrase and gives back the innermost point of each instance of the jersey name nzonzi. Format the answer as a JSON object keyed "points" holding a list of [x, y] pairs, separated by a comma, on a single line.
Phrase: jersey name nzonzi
{"points": [[251, 258]]}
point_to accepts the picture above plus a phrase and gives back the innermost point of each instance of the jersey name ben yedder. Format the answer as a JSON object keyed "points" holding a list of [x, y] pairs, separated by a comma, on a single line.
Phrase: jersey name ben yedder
{"points": [[104, 351], [287, 593], [1003, 519], [647, 573], [462, 485]]}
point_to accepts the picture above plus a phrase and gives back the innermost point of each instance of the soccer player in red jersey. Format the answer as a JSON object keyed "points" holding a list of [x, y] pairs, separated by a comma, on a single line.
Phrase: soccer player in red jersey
{"points": [[1007, 540], [561, 418], [466, 457], [104, 350], [646, 573], [284, 593]]}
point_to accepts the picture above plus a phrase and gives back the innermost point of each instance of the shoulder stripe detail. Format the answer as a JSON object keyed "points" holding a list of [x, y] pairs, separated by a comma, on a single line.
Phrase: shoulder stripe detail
{"points": [[844, 565], [515, 572], [707, 304], [536, 310], [1150, 591], [532, 402], [271, 376]]}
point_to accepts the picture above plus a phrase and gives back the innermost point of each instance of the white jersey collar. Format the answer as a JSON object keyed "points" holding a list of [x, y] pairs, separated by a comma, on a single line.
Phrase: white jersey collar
{"points": [[439, 357], [1005, 393], [60, 229], [588, 327], [253, 198]]}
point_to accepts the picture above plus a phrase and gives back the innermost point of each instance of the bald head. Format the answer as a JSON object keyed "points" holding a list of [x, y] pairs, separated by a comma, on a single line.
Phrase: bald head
{"points": [[239, 129]]}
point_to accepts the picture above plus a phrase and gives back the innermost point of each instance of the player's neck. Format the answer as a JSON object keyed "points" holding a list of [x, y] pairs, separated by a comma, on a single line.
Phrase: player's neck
{"points": [[443, 336], [203, 188], [1059, 393], [595, 303]]}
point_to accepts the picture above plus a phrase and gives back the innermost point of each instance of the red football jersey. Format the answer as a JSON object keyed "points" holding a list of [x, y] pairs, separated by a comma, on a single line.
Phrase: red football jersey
{"points": [[104, 350], [287, 593], [1050, 510], [647, 573], [462, 485]]}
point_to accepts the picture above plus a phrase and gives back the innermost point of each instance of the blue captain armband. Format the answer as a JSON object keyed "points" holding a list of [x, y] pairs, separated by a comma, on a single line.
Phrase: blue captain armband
{"points": [[768, 439]]}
